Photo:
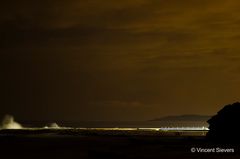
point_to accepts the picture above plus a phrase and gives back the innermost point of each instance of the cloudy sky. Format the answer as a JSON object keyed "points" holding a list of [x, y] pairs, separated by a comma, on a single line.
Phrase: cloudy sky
{"points": [[118, 60]]}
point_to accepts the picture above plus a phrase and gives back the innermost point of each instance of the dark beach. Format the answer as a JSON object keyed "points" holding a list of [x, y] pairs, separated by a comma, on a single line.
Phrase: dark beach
{"points": [[117, 144]]}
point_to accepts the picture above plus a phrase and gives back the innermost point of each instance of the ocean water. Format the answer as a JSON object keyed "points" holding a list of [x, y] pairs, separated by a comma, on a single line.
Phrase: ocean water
{"points": [[123, 124]]}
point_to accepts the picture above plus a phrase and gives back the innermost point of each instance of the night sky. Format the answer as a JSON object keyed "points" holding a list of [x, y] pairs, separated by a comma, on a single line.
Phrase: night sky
{"points": [[79, 60]]}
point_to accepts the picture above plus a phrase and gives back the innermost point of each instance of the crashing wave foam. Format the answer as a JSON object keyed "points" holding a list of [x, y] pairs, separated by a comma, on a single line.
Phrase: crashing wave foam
{"points": [[52, 126], [9, 123]]}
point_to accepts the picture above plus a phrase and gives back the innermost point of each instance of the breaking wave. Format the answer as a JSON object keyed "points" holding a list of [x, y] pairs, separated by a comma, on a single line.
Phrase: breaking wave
{"points": [[52, 126], [8, 122]]}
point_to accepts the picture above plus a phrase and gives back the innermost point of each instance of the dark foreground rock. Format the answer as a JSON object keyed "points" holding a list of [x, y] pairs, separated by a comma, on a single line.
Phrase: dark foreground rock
{"points": [[224, 127]]}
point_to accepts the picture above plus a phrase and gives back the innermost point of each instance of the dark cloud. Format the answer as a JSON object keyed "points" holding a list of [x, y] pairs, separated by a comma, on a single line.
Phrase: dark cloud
{"points": [[141, 58]]}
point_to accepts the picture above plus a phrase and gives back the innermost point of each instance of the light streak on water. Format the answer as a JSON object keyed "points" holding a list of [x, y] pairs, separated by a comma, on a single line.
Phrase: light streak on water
{"points": [[126, 129]]}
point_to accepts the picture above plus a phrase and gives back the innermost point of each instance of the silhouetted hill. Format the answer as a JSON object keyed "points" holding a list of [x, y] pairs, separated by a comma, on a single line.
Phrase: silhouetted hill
{"points": [[190, 117], [224, 125]]}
